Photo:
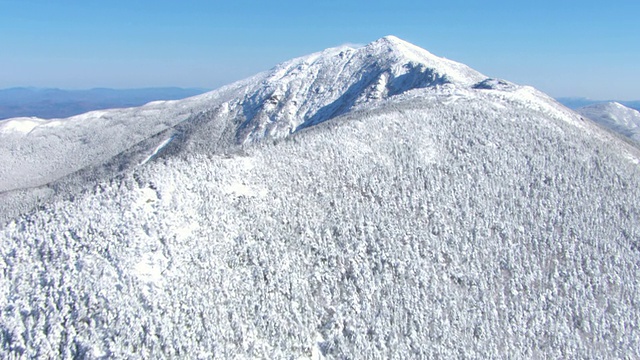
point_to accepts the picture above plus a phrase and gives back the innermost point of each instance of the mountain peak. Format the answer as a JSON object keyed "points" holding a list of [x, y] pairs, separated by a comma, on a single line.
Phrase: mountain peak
{"points": [[404, 51], [618, 105], [395, 43], [312, 89], [392, 40]]}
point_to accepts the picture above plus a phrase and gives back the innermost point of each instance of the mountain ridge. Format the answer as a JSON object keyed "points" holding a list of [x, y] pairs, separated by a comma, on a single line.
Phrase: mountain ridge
{"points": [[615, 116]]}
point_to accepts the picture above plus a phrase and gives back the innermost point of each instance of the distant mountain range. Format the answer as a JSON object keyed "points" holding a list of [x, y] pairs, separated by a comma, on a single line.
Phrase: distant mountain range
{"points": [[58, 103], [578, 102]]}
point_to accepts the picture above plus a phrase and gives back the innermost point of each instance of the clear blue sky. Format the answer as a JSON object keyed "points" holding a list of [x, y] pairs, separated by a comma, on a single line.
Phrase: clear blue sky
{"points": [[565, 48]]}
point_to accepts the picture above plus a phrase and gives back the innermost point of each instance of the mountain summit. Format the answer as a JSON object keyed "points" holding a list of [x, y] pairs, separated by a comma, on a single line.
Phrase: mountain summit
{"points": [[312, 89], [404, 206]]}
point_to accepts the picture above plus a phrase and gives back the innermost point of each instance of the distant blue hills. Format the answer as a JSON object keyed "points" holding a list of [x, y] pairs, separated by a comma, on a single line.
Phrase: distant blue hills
{"points": [[58, 103]]}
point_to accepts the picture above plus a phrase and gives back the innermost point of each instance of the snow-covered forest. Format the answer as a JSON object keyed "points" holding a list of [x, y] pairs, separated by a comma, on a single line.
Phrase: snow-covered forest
{"points": [[482, 221], [416, 230]]}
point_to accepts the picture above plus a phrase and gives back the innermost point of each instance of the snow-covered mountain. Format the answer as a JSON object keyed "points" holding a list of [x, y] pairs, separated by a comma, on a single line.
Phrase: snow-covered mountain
{"points": [[296, 94], [615, 116], [378, 202]]}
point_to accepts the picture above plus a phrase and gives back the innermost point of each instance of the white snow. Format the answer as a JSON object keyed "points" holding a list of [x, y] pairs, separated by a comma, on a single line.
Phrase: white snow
{"points": [[616, 117], [156, 150], [240, 189], [239, 184], [146, 199], [150, 268], [456, 72], [20, 125]]}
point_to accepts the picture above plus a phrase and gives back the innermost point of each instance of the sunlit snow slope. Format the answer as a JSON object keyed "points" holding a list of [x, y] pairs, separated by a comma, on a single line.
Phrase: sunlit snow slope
{"points": [[399, 205], [615, 116]]}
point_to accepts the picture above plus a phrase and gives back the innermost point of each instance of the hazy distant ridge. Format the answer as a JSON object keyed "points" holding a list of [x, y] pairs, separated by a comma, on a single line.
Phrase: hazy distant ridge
{"points": [[578, 102], [59, 103]]}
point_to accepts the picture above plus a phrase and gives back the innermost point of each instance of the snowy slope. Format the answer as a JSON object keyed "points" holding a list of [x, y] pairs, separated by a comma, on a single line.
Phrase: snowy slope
{"points": [[462, 217], [615, 116], [35, 152]]}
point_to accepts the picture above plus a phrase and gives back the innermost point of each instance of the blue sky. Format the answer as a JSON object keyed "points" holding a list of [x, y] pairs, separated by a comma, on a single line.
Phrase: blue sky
{"points": [[565, 48]]}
